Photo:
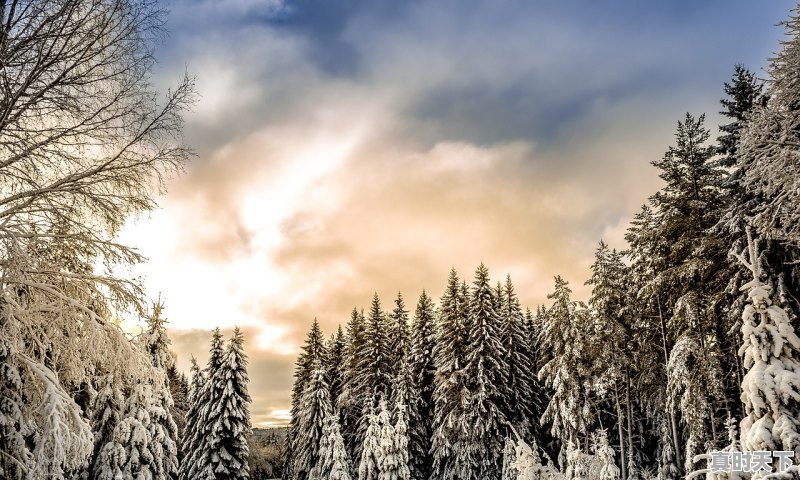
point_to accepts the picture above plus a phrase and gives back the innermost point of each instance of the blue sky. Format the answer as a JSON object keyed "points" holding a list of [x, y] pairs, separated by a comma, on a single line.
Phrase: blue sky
{"points": [[349, 147]]}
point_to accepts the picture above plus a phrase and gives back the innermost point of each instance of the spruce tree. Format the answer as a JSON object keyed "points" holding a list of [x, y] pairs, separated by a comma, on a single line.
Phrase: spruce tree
{"points": [[198, 459], [106, 412], [371, 450], [769, 144], [744, 92], [156, 343], [375, 368], [423, 371], [190, 437], [522, 387], [485, 374], [313, 410], [229, 415], [771, 355], [566, 371], [449, 444], [12, 442], [313, 354], [335, 363], [399, 331], [609, 337], [351, 399], [374, 375], [333, 462]]}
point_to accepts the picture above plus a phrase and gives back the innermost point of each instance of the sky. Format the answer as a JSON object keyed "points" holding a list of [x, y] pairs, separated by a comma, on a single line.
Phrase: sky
{"points": [[352, 147]]}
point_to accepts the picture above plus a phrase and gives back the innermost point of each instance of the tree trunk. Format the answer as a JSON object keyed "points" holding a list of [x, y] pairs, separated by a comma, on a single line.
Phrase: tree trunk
{"points": [[622, 456], [673, 421], [630, 415]]}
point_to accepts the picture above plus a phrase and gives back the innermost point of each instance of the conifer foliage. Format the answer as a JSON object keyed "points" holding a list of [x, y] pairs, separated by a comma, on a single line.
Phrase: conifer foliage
{"points": [[215, 439]]}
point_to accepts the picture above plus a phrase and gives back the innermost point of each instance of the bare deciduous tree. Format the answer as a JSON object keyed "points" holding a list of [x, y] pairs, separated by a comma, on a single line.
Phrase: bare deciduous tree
{"points": [[85, 142]]}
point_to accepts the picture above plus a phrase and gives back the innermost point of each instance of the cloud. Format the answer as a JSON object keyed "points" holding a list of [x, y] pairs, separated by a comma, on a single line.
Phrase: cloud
{"points": [[349, 147]]}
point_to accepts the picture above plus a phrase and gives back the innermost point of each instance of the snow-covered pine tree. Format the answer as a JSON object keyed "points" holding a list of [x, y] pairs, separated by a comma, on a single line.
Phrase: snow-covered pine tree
{"points": [[522, 386], [405, 398], [197, 462], [605, 457], [399, 332], [351, 399], [423, 371], [227, 417], [485, 375], [610, 338], [371, 450], [392, 463], [373, 379], [163, 430], [335, 362], [135, 450], [375, 369], [403, 470], [333, 462], [689, 379], [677, 261], [562, 336], [769, 143], [312, 411], [449, 444], [528, 465], [771, 355], [744, 92], [312, 355], [190, 436], [106, 412]]}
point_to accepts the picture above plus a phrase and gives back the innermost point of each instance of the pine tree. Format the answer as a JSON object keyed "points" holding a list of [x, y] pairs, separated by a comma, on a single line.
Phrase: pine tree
{"points": [[335, 361], [389, 460], [333, 462], [15, 453], [486, 376], [399, 332], [198, 458], [509, 458], [449, 444], [403, 470], [312, 355], [769, 143], [228, 416], [371, 450], [423, 370], [609, 337], [744, 92], [375, 366], [521, 403], [374, 377], [568, 410], [351, 399], [163, 429], [107, 411], [312, 411], [134, 451], [191, 436], [771, 355], [605, 457]]}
